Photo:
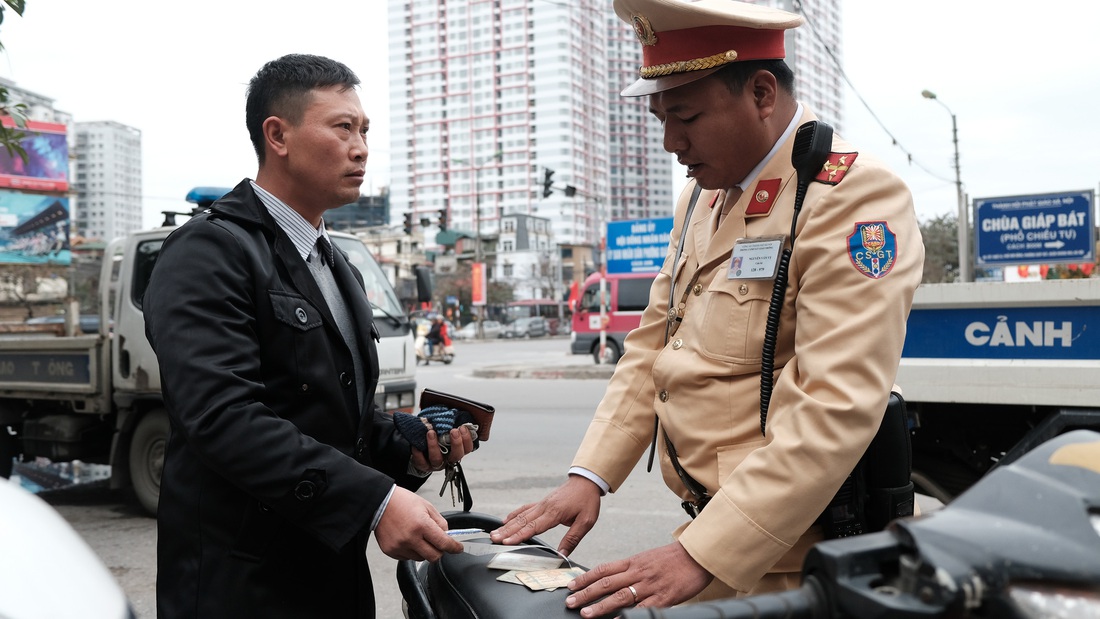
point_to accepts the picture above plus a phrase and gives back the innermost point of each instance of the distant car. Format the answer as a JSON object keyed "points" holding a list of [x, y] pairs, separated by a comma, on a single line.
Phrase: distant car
{"points": [[491, 329], [534, 326], [89, 323]]}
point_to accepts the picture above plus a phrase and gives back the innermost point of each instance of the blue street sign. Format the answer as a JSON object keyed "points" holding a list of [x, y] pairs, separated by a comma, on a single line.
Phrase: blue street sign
{"points": [[637, 245], [1045, 228]]}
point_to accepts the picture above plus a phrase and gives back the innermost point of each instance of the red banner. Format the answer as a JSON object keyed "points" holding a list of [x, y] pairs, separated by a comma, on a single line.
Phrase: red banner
{"points": [[478, 293]]}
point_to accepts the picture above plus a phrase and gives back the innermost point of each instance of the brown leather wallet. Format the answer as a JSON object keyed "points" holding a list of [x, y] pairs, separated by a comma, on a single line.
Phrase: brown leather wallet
{"points": [[482, 413]]}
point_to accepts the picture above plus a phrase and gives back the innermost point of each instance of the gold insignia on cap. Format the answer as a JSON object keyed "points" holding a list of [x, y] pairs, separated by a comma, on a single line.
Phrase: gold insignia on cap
{"points": [[643, 30], [683, 66], [762, 196]]}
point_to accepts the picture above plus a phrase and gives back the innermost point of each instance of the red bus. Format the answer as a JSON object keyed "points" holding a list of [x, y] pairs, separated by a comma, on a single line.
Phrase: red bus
{"points": [[627, 295]]}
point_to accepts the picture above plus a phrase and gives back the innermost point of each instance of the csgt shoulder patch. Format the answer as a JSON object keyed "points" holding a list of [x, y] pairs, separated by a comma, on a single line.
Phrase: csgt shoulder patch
{"points": [[836, 166], [873, 248]]}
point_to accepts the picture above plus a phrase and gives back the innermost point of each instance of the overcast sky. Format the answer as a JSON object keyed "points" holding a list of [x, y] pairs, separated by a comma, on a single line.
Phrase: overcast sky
{"points": [[1022, 79]]}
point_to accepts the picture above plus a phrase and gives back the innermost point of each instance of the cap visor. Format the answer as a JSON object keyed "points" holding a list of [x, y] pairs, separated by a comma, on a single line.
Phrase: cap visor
{"points": [[644, 87]]}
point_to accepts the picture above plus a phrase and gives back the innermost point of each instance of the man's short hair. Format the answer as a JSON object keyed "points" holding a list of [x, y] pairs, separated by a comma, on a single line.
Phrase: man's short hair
{"points": [[283, 87], [737, 74]]}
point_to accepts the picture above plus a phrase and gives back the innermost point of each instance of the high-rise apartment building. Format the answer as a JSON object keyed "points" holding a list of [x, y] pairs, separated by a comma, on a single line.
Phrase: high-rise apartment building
{"points": [[488, 95], [641, 169], [814, 51], [107, 180]]}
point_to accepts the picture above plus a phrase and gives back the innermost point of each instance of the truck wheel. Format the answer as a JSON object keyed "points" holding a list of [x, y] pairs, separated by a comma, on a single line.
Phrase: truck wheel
{"points": [[611, 353], [9, 446], [147, 458]]}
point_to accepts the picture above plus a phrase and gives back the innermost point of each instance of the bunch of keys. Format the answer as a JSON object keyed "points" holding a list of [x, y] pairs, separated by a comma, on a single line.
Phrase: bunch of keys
{"points": [[454, 477]]}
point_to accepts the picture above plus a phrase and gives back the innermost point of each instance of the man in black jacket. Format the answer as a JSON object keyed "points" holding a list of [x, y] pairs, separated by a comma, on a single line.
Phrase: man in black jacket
{"points": [[280, 464]]}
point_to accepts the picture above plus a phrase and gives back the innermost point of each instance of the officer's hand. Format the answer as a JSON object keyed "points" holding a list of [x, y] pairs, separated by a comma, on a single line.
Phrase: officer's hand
{"points": [[575, 503], [462, 443], [411, 528], [661, 577]]}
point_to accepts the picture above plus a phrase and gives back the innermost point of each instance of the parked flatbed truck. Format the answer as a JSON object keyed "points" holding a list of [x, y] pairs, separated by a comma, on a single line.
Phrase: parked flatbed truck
{"points": [[97, 397]]}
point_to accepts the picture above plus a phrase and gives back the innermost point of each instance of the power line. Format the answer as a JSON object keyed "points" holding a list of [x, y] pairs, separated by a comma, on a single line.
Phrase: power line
{"points": [[836, 61]]}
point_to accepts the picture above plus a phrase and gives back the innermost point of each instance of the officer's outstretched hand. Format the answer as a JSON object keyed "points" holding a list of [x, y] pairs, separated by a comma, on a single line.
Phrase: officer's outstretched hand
{"points": [[658, 578], [575, 503], [411, 528]]}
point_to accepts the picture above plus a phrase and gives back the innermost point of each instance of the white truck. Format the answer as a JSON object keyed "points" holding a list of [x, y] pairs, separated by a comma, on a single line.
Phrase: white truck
{"points": [[991, 370], [97, 397]]}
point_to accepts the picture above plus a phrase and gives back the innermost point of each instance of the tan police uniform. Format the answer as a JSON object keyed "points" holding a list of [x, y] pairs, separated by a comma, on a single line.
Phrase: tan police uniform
{"points": [[857, 260]]}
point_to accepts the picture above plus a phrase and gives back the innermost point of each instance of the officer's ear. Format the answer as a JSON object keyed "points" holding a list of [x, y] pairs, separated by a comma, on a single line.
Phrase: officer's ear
{"points": [[764, 89]]}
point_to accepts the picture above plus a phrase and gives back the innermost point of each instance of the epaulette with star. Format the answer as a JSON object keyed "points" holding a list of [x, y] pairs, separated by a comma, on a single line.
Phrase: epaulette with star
{"points": [[835, 167]]}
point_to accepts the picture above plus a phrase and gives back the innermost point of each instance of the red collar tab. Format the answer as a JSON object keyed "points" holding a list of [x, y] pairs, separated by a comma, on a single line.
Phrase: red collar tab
{"points": [[714, 200], [763, 197], [836, 166]]}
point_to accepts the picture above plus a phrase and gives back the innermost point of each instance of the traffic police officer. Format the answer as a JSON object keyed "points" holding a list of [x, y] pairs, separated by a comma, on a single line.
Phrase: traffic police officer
{"points": [[714, 76]]}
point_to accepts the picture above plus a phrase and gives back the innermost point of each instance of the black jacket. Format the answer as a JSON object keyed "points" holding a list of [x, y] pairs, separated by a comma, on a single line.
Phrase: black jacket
{"points": [[272, 477]]}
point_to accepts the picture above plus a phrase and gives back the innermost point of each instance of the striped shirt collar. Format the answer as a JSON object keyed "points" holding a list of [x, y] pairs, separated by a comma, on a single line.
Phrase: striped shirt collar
{"points": [[301, 232]]}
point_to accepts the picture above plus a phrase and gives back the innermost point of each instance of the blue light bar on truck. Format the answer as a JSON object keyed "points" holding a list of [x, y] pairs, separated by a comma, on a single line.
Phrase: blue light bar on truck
{"points": [[205, 196]]}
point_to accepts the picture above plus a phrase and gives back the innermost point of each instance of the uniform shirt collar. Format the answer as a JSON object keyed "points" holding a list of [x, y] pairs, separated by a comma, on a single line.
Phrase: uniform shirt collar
{"points": [[748, 180], [301, 232]]}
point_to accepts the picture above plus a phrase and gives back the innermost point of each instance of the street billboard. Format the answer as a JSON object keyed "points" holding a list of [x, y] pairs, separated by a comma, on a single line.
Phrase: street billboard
{"points": [[637, 245], [34, 228], [47, 165], [1043, 228]]}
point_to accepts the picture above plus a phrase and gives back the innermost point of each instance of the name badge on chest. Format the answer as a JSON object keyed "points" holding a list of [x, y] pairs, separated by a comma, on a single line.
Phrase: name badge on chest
{"points": [[756, 258]]}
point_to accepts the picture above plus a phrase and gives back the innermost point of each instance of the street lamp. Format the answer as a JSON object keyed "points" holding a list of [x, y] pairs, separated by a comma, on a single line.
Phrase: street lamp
{"points": [[964, 218]]}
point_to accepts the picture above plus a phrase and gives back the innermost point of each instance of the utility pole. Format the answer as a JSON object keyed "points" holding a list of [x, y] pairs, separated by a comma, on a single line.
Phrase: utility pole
{"points": [[964, 217]]}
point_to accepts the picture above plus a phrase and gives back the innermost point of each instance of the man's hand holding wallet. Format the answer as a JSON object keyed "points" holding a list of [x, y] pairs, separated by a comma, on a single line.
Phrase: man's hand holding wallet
{"points": [[459, 425]]}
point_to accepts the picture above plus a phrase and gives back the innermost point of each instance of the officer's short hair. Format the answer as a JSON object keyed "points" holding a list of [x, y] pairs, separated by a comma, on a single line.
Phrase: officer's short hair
{"points": [[737, 74]]}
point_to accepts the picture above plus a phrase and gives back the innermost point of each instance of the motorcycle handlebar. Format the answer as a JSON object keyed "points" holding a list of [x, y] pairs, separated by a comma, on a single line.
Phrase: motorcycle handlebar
{"points": [[806, 602]]}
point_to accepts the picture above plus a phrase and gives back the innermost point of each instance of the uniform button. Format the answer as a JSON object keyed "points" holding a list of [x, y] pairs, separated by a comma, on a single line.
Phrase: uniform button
{"points": [[360, 447], [305, 387], [677, 344], [672, 314], [345, 379], [663, 396], [300, 314], [697, 289], [304, 490], [743, 289]]}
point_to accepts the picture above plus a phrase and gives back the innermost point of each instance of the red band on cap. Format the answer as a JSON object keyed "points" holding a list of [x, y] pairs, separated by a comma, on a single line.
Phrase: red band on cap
{"points": [[704, 41]]}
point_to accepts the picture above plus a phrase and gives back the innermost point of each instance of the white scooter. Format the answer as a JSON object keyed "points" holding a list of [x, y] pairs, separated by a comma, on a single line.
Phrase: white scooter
{"points": [[440, 352]]}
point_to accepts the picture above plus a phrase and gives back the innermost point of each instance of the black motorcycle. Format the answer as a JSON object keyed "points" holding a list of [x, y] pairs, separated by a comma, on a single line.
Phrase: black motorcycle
{"points": [[1022, 543]]}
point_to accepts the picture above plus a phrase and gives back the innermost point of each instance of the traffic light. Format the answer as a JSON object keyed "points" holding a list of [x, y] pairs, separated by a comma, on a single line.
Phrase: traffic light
{"points": [[442, 220], [409, 223], [547, 182], [570, 191]]}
